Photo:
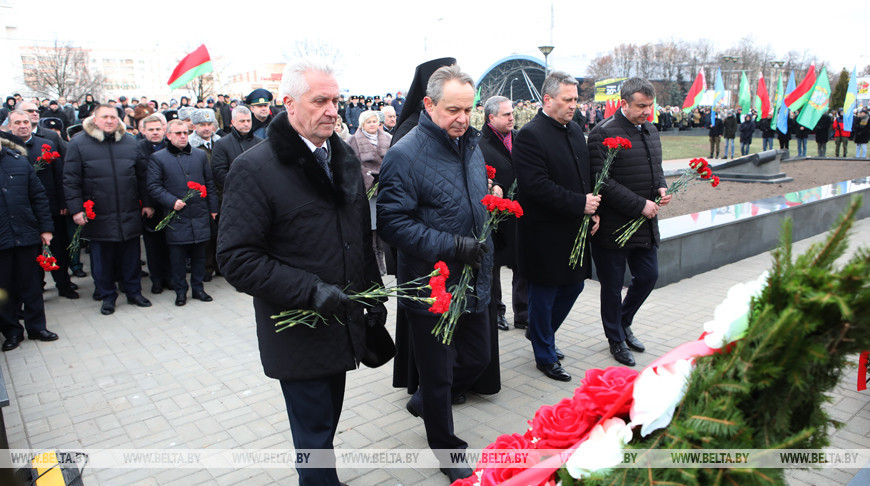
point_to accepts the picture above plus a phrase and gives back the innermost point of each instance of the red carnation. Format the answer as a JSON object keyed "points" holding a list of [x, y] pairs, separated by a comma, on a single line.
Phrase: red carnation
{"points": [[442, 269], [600, 388], [715, 180], [490, 172], [705, 172]]}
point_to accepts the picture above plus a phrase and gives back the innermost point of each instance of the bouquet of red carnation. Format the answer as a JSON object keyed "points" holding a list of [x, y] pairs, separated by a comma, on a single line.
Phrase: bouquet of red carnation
{"points": [[499, 209], [439, 298], [75, 244], [46, 260], [701, 169], [48, 156], [614, 145], [193, 189]]}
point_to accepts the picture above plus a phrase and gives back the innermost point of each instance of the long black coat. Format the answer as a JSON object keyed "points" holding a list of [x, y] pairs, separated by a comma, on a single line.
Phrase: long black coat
{"points": [[283, 228], [635, 177], [108, 171], [169, 171], [496, 155], [552, 167], [225, 152], [24, 210], [51, 175]]}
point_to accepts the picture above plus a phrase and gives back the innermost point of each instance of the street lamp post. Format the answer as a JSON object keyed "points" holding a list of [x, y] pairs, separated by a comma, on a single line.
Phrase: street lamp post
{"points": [[546, 50], [512, 88], [732, 60]]}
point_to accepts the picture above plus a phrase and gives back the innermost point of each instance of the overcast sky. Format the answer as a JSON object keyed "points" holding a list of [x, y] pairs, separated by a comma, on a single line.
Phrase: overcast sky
{"points": [[381, 41]]}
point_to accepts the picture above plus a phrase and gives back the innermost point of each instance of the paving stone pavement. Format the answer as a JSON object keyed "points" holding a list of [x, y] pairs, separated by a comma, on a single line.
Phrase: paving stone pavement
{"points": [[167, 378]]}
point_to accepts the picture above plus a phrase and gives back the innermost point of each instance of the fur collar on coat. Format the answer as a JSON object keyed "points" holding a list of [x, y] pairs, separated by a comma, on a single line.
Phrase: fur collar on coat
{"points": [[292, 150], [90, 128]]}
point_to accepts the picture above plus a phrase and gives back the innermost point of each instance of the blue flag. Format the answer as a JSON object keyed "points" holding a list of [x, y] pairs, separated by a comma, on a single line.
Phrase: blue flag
{"points": [[782, 119], [718, 95], [850, 102]]}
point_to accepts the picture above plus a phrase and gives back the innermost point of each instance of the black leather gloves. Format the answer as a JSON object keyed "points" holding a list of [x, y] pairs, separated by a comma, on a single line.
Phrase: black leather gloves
{"points": [[377, 316], [469, 251], [327, 298]]}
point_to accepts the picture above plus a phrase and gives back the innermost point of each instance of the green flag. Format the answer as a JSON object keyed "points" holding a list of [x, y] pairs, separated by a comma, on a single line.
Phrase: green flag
{"points": [[776, 103], [744, 97], [817, 103]]}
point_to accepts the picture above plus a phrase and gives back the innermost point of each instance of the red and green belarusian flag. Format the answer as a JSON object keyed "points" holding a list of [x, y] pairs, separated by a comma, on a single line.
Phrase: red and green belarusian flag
{"points": [[194, 64], [696, 92], [762, 99], [798, 98]]}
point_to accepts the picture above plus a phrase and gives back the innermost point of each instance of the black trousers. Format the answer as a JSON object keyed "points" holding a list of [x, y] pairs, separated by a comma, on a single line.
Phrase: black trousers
{"points": [[178, 255], [157, 255], [447, 370], [617, 313], [314, 407], [519, 294], [113, 261], [21, 278]]}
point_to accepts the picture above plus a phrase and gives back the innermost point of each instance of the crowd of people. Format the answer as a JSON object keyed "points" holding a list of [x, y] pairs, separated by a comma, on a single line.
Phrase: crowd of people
{"points": [[302, 200]]}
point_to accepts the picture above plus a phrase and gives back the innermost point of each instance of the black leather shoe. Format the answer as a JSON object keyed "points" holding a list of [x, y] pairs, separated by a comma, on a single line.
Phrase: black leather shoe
{"points": [[459, 399], [79, 273], [633, 342], [621, 353], [43, 335], [503, 323], [180, 299], [73, 286], [67, 292], [157, 288], [139, 301], [555, 371], [412, 410], [12, 343], [521, 324], [108, 307], [457, 473], [207, 277], [202, 296], [559, 354]]}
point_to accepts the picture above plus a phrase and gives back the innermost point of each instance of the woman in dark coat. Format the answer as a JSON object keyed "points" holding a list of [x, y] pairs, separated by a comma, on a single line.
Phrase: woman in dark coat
{"points": [[746, 130], [86, 109]]}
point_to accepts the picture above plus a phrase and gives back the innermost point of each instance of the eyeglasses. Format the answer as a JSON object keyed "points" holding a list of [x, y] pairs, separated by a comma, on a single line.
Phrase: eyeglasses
{"points": [[178, 133], [31, 111]]}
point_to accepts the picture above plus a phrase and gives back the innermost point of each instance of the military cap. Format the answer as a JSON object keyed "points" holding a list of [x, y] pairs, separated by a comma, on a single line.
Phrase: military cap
{"points": [[259, 96], [369, 99], [171, 114], [184, 113], [203, 115], [74, 130], [53, 123], [380, 104]]}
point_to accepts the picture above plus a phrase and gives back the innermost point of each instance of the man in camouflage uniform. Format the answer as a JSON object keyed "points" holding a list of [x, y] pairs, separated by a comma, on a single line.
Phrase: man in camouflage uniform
{"points": [[477, 116]]}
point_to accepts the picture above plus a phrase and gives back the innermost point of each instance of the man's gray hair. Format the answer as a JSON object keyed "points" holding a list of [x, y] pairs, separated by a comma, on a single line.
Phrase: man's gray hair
{"points": [[435, 86], [386, 109], [293, 83], [241, 110], [20, 112], [555, 81], [492, 106], [636, 85]]}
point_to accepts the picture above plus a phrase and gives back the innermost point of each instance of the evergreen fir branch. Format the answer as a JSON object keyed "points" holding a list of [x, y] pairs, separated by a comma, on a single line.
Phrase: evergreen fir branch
{"points": [[838, 240]]}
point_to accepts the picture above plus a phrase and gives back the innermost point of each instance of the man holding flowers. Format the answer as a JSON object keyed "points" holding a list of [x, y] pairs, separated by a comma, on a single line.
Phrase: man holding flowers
{"points": [[554, 187], [429, 208], [636, 180], [295, 233]]}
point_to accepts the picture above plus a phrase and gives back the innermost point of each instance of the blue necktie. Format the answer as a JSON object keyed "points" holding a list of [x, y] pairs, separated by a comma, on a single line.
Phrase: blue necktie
{"points": [[323, 160]]}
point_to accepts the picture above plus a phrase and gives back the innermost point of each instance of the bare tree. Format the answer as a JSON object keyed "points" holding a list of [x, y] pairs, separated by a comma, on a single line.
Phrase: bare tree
{"points": [[315, 48], [624, 59], [601, 67], [60, 70]]}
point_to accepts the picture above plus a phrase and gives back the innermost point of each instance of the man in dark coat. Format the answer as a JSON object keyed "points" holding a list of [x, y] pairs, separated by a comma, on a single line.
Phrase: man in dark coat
{"points": [[33, 111], [102, 165], [259, 101], [169, 172], [730, 125], [239, 139], [156, 251], [295, 233], [429, 208], [25, 225], [823, 133], [51, 176], [496, 143], [636, 180], [715, 134], [554, 187]]}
